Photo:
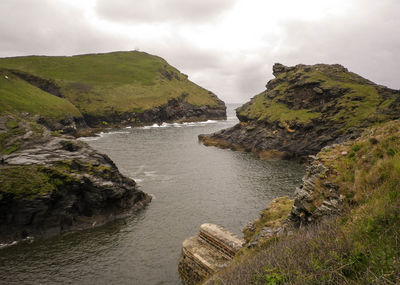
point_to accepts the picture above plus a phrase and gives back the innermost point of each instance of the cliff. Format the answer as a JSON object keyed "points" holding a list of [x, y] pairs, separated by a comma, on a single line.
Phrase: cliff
{"points": [[51, 184], [342, 226], [112, 89], [307, 107]]}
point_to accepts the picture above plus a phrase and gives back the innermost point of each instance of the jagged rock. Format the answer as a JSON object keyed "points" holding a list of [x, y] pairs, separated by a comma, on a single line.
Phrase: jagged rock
{"points": [[175, 110], [53, 185], [307, 207], [305, 108], [179, 109]]}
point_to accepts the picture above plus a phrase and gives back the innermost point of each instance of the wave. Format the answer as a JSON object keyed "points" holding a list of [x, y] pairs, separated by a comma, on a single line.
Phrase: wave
{"points": [[179, 125], [27, 239], [156, 126], [101, 135], [137, 180]]}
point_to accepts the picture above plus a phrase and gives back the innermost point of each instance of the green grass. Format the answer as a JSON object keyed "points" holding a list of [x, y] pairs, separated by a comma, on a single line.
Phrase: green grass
{"points": [[113, 82], [360, 104], [16, 95], [355, 112], [27, 181], [272, 217], [274, 111]]}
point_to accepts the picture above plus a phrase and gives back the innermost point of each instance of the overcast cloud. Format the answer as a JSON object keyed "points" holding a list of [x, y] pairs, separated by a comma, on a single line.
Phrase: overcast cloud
{"points": [[227, 46]]}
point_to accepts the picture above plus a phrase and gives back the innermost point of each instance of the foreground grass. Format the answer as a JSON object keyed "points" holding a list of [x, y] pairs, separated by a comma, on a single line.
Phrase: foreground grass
{"points": [[362, 246]]}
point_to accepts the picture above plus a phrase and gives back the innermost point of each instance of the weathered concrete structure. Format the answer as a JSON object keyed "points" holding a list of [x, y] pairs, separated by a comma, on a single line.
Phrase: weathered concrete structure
{"points": [[211, 250]]}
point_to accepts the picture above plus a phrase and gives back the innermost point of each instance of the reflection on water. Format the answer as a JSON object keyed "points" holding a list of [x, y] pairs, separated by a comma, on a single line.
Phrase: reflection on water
{"points": [[191, 184]]}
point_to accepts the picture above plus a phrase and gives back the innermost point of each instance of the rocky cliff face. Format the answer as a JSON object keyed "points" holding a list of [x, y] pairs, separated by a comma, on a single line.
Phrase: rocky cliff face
{"points": [[51, 185], [308, 207], [177, 109], [305, 108]]}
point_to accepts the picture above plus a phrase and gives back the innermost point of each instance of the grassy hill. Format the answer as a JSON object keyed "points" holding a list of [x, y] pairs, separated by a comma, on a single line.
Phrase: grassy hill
{"points": [[117, 82]]}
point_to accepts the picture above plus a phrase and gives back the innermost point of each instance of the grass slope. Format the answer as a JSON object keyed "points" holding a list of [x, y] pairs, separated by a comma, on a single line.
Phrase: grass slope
{"points": [[303, 93], [113, 82], [359, 247], [16, 95]]}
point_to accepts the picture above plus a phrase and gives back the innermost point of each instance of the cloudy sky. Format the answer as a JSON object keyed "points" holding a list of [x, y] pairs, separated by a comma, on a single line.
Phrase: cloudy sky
{"points": [[227, 46]]}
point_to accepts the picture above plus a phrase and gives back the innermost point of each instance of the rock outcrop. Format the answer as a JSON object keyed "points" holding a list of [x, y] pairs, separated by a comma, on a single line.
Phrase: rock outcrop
{"points": [[305, 108], [307, 207], [176, 110], [50, 185], [207, 253]]}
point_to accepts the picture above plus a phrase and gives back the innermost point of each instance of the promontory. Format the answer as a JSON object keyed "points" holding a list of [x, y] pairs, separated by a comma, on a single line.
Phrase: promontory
{"points": [[307, 107]]}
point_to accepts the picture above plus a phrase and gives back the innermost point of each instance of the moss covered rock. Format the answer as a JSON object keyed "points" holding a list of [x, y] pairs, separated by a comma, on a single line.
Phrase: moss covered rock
{"points": [[307, 107], [54, 184]]}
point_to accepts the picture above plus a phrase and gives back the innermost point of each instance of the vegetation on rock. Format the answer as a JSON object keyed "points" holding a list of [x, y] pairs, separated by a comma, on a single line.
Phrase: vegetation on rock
{"points": [[326, 92], [354, 241], [54, 184], [307, 107]]}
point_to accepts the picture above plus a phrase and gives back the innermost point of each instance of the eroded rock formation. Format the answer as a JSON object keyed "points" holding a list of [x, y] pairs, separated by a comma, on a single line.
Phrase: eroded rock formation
{"points": [[51, 185], [208, 252], [305, 108]]}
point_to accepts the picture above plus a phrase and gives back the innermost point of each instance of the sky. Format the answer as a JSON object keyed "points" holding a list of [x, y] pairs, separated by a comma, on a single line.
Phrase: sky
{"points": [[226, 46]]}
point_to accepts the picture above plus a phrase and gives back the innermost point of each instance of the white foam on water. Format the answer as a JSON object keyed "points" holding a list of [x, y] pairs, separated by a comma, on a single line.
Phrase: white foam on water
{"points": [[2, 245], [27, 239], [86, 139], [114, 132], [150, 173], [179, 125], [101, 135], [137, 180]]}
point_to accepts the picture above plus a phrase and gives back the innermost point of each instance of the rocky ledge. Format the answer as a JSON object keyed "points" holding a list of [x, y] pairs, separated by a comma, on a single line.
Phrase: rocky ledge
{"points": [[175, 110], [208, 252], [50, 184], [305, 108]]}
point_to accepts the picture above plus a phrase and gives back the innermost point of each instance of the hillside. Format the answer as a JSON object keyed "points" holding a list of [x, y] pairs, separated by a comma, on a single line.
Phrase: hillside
{"points": [[17, 96], [305, 108], [118, 87], [350, 202]]}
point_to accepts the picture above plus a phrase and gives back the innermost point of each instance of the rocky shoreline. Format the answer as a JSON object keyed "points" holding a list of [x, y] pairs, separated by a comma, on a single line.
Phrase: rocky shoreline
{"points": [[305, 108], [55, 184], [176, 110]]}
